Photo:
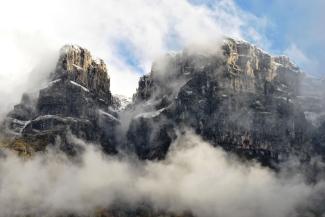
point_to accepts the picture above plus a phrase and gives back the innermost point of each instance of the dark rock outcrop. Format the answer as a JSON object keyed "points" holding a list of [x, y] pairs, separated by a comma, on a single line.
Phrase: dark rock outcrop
{"points": [[76, 100], [239, 98]]}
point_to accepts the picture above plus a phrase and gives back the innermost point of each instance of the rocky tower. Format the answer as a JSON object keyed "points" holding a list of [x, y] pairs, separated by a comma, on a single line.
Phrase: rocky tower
{"points": [[84, 80], [77, 64], [76, 99], [238, 97]]}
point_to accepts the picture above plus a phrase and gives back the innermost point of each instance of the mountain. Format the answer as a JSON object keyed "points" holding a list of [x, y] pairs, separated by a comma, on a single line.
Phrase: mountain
{"points": [[76, 99], [237, 97], [240, 98]]}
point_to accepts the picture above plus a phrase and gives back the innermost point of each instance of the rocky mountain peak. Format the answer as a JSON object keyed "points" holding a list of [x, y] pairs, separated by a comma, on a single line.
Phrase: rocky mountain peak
{"points": [[76, 99], [237, 97], [237, 65], [74, 56], [77, 64]]}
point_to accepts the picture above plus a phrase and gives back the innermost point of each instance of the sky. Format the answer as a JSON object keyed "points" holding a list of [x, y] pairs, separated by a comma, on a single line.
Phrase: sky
{"points": [[292, 27], [295, 28], [130, 34]]}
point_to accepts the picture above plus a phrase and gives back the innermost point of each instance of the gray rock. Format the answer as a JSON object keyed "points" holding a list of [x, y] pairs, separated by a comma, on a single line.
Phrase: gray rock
{"points": [[76, 100], [240, 98]]}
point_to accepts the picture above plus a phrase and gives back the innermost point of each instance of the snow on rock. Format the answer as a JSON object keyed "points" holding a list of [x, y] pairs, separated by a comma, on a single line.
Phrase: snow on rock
{"points": [[76, 84], [101, 112], [150, 114], [18, 125], [77, 67]]}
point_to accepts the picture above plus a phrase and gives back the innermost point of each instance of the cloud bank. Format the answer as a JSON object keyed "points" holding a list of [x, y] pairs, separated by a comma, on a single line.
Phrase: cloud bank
{"points": [[194, 177], [127, 34]]}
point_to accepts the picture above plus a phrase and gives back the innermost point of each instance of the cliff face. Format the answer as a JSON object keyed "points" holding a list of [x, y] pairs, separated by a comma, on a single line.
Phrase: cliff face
{"points": [[76, 99], [77, 64], [235, 96], [240, 98]]}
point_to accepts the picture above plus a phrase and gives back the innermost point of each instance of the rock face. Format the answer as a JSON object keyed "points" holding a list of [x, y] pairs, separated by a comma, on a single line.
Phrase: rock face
{"points": [[76, 64], [239, 98], [235, 96], [76, 99]]}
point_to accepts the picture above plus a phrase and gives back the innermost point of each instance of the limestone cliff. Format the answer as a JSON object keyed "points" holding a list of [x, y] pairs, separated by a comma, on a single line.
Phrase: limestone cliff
{"points": [[238, 97]]}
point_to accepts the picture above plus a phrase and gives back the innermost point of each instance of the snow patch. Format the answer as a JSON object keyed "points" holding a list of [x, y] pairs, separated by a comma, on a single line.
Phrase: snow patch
{"points": [[25, 124], [45, 117], [49, 84], [108, 115], [55, 81], [150, 114], [77, 67], [82, 87]]}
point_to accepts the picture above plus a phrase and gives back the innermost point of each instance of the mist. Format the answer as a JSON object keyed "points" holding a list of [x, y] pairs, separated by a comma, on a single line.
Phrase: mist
{"points": [[195, 177], [128, 36]]}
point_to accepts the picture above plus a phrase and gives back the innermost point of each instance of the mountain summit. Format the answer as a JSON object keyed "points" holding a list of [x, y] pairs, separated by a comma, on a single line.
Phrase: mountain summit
{"points": [[238, 97], [241, 98], [76, 99]]}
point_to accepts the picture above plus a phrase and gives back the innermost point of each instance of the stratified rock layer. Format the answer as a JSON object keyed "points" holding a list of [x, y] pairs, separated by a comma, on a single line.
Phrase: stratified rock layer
{"points": [[239, 98]]}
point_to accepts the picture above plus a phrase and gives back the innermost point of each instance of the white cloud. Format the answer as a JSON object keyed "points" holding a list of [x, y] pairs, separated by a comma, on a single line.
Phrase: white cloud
{"points": [[297, 54], [194, 177], [29, 30]]}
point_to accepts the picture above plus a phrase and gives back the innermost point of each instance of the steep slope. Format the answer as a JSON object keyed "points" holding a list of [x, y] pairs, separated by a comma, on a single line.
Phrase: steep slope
{"points": [[76, 99], [237, 97]]}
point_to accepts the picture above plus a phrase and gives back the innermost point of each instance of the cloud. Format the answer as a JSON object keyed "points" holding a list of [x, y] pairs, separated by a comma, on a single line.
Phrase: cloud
{"points": [[29, 30], [308, 64], [194, 177], [293, 22], [297, 55]]}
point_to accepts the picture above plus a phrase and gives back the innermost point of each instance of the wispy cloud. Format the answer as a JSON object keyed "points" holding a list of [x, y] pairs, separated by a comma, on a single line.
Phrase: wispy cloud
{"points": [[296, 54], [293, 23], [29, 30], [194, 177]]}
